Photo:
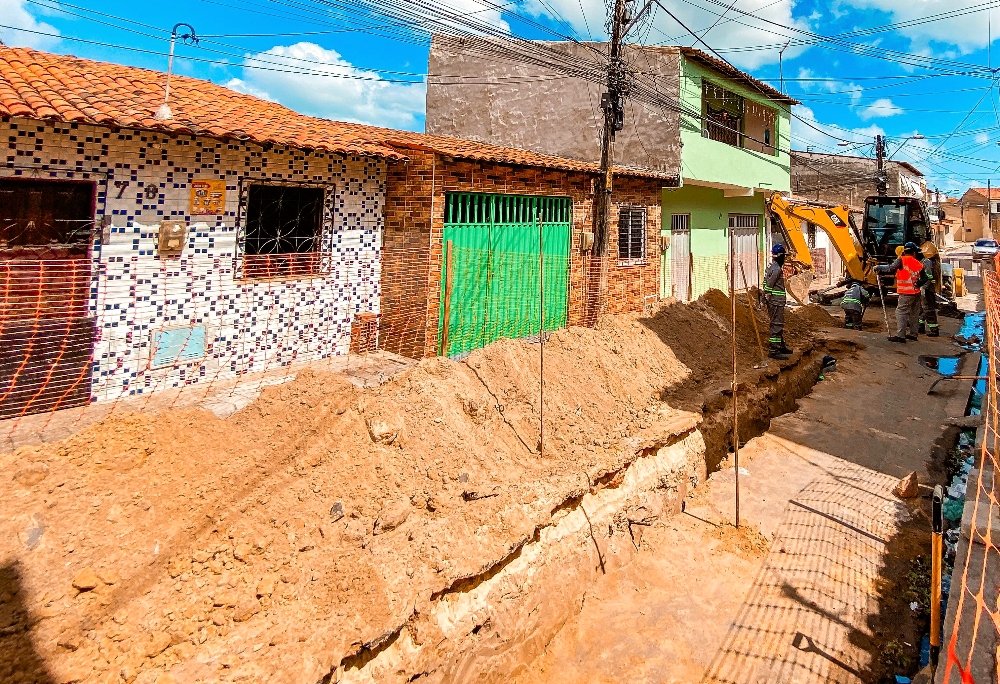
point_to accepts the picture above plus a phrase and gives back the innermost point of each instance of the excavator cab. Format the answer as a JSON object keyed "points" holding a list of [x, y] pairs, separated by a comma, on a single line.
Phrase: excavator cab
{"points": [[891, 222]]}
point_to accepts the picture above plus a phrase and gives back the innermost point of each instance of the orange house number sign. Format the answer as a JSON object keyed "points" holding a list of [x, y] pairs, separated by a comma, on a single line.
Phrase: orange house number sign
{"points": [[208, 197]]}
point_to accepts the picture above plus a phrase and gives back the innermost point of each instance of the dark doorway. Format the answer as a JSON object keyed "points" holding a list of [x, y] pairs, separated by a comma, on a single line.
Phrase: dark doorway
{"points": [[46, 335]]}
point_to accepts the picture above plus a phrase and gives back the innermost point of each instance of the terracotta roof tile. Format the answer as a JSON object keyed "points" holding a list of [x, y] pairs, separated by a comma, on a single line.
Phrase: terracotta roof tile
{"points": [[43, 85], [57, 87]]}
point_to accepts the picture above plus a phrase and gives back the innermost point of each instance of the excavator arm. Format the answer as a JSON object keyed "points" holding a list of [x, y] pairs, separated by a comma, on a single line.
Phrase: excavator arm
{"points": [[833, 220]]}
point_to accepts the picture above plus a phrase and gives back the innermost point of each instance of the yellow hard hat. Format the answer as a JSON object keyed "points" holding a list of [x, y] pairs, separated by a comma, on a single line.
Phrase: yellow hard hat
{"points": [[929, 250], [899, 251]]}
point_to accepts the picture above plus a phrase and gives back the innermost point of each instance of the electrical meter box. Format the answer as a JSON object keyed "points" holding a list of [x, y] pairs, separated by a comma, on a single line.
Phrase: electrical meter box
{"points": [[173, 235]]}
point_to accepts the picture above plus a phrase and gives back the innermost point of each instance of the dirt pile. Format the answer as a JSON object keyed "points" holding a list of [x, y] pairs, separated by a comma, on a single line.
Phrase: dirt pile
{"points": [[287, 540]]}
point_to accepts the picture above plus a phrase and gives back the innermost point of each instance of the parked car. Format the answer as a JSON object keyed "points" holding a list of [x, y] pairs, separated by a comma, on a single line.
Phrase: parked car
{"points": [[984, 247]]}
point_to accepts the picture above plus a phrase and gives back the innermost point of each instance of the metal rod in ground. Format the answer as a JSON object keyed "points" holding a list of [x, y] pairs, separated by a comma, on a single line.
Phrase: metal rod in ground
{"points": [[736, 413], [881, 299], [937, 528], [541, 339], [753, 316]]}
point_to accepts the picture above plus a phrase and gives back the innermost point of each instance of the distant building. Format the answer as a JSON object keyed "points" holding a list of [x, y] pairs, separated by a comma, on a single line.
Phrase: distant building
{"points": [[973, 205], [847, 180]]}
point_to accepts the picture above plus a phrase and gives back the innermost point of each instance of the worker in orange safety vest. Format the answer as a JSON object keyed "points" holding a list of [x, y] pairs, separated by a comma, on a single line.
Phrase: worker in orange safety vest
{"points": [[910, 278]]}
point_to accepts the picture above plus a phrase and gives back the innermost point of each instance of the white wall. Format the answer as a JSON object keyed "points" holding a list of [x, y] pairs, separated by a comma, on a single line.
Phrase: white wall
{"points": [[251, 325]]}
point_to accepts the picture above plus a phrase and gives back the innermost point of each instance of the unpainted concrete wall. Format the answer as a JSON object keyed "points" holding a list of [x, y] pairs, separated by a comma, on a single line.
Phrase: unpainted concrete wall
{"points": [[474, 94], [841, 179]]}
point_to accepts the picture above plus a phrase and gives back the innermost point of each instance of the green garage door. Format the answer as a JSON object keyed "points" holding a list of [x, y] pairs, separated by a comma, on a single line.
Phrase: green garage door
{"points": [[495, 267]]}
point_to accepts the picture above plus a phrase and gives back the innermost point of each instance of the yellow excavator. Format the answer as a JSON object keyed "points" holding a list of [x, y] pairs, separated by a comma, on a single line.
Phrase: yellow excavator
{"points": [[889, 223]]}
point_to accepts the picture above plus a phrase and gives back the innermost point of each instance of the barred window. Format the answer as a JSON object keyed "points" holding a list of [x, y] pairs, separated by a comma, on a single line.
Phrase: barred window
{"points": [[284, 224], [632, 234]]}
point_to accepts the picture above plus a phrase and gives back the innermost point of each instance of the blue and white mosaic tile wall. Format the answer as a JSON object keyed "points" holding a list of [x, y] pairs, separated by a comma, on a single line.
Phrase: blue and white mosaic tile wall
{"points": [[136, 295]]}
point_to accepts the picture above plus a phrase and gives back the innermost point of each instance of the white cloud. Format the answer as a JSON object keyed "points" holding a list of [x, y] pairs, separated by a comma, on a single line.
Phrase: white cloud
{"points": [[880, 108], [810, 82], [734, 31], [335, 89], [967, 32], [14, 13]]}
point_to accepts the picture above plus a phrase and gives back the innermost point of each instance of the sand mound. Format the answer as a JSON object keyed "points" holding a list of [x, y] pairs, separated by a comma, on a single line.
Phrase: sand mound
{"points": [[268, 546], [813, 315]]}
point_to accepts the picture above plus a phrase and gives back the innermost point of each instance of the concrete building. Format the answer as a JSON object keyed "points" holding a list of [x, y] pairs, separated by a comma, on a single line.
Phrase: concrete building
{"points": [[847, 180], [725, 146], [980, 218]]}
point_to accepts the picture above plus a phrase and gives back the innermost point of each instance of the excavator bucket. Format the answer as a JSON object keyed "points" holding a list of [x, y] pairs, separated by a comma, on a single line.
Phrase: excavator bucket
{"points": [[798, 286]]}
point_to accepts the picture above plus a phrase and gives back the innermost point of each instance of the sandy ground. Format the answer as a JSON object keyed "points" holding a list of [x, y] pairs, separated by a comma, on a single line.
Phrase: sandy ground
{"points": [[271, 545], [821, 598]]}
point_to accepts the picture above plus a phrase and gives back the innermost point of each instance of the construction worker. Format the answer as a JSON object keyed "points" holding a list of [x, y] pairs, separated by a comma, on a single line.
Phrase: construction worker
{"points": [[854, 303], [774, 293], [909, 279], [928, 307]]}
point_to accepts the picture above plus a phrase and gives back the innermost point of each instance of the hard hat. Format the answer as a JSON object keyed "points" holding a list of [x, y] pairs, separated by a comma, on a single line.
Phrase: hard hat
{"points": [[899, 251], [929, 249], [910, 248], [778, 249]]}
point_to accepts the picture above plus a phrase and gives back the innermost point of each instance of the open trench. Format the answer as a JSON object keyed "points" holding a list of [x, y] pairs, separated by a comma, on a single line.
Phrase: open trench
{"points": [[487, 627]]}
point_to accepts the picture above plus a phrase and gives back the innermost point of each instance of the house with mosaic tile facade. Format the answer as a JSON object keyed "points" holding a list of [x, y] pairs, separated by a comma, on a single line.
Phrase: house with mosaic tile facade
{"points": [[237, 236], [137, 254]]}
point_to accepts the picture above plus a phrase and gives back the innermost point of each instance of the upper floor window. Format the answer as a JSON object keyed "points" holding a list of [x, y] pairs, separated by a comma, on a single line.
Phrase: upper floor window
{"points": [[732, 119]]}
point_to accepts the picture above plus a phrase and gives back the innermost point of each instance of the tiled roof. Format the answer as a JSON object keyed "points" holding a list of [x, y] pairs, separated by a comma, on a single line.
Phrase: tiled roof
{"points": [[41, 85], [994, 192], [737, 75], [470, 149]]}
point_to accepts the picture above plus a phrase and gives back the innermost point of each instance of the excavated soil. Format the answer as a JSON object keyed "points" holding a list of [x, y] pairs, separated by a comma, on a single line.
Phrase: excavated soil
{"points": [[287, 540]]}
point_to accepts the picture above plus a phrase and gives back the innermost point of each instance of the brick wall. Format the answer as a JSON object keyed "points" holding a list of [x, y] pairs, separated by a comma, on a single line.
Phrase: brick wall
{"points": [[414, 225]]}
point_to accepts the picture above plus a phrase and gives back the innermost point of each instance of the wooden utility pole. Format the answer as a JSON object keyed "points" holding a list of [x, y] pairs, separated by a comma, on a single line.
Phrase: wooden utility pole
{"points": [[881, 180], [612, 102]]}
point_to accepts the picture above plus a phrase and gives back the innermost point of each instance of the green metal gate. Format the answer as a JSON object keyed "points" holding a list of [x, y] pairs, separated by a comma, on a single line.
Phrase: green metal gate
{"points": [[494, 267]]}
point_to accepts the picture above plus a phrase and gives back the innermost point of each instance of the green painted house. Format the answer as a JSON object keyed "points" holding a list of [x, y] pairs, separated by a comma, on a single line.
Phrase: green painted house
{"points": [[735, 134], [719, 134]]}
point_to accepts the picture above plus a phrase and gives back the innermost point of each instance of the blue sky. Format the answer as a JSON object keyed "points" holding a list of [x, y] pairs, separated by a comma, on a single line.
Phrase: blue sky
{"points": [[860, 67]]}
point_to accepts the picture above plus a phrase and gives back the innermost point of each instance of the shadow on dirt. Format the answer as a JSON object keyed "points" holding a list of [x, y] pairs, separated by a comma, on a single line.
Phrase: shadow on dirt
{"points": [[19, 660]]}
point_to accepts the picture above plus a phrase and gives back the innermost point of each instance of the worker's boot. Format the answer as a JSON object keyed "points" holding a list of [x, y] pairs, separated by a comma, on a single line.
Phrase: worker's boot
{"points": [[897, 338], [933, 330], [784, 349], [921, 328], [912, 338], [776, 353]]}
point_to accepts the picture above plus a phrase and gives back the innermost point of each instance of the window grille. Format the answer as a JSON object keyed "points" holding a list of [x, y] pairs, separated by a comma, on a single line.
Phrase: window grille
{"points": [[631, 234], [284, 225], [473, 208], [744, 220]]}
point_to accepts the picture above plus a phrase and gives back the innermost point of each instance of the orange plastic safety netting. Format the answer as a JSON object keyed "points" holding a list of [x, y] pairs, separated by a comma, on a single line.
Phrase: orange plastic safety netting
{"points": [[82, 337], [972, 631]]}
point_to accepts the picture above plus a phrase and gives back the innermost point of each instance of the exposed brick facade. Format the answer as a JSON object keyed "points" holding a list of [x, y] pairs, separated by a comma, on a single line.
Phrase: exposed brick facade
{"points": [[414, 225]]}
